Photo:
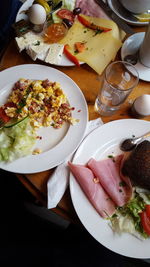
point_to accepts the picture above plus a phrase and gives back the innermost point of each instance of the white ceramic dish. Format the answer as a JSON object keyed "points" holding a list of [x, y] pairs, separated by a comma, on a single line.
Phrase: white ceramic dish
{"points": [[130, 47], [56, 144], [21, 15], [121, 12], [99, 144]]}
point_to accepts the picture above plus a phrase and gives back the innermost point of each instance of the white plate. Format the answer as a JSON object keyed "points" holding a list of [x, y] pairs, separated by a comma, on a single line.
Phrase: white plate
{"points": [[121, 12], [21, 15], [56, 144], [130, 47], [99, 144]]}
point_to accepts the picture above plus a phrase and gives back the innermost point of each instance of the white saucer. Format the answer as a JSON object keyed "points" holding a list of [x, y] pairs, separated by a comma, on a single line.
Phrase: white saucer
{"points": [[124, 14], [130, 47]]}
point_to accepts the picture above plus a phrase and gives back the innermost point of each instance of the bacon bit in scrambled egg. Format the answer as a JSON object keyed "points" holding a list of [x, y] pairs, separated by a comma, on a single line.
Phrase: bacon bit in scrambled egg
{"points": [[44, 102]]}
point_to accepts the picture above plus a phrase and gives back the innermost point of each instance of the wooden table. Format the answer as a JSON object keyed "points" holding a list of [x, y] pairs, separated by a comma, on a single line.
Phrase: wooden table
{"points": [[88, 81]]}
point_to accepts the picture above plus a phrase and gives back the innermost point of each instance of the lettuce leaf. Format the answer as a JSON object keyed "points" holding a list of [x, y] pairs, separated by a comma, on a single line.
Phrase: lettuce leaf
{"points": [[17, 141]]}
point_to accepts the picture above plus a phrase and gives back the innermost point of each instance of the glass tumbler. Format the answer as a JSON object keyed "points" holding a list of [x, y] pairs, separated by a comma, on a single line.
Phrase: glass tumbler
{"points": [[119, 79]]}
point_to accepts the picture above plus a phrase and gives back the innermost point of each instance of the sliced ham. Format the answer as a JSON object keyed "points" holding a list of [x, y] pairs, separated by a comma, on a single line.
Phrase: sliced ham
{"points": [[90, 8], [93, 190], [123, 177], [108, 173]]}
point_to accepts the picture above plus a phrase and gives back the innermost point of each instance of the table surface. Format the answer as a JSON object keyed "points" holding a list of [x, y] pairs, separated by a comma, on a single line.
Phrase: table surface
{"points": [[37, 183]]}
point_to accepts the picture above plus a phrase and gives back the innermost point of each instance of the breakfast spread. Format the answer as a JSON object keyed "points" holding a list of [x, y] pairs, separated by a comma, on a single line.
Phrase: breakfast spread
{"points": [[49, 36]]}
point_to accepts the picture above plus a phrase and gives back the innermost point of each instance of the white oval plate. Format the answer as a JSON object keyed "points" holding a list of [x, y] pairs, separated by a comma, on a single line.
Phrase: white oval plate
{"points": [[130, 47], [65, 62], [56, 144], [99, 144], [121, 12]]}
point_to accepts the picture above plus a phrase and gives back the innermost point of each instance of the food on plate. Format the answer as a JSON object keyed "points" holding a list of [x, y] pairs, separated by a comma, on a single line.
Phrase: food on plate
{"points": [[145, 219], [66, 4], [42, 100], [38, 49], [136, 165], [91, 8], [70, 55], [128, 218], [17, 141], [79, 46], [93, 190], [90, 24], [44, 3], [132, 204], [32, 104], [67, 25], [37, 14], [66, 14], [55, 32], [108, 172], [54, 54], [100, 46]]}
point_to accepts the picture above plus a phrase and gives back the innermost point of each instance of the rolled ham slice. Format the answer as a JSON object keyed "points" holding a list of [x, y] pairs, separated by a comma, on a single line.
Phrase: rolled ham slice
{"points": [[108, 173], [91, 8], [93, 190]]}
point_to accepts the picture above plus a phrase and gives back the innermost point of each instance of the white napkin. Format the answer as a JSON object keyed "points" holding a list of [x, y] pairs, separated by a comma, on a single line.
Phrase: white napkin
{"points": [[59, 180]]}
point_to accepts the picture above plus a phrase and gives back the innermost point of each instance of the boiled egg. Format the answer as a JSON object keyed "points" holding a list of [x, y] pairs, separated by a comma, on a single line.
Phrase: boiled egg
{"points": [[37, 14], [142, 105]]}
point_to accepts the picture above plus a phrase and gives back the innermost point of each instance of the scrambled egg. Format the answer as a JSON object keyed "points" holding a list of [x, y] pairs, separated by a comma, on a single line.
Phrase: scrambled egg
{"points": [[43, 101]]}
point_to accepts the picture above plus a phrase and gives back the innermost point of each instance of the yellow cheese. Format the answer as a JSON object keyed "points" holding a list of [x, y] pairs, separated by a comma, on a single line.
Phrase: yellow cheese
{"points": [[77, 33], [98, 57], [100, 48], [115, 31]]}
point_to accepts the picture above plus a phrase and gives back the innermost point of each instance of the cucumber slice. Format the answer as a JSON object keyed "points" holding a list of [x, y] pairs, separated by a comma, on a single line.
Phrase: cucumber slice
{"points": [[13, 123]]}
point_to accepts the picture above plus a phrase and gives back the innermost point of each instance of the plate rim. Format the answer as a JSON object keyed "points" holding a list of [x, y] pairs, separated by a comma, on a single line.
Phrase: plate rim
{"points": [[72, 180], [138, 23], [84, 116]]}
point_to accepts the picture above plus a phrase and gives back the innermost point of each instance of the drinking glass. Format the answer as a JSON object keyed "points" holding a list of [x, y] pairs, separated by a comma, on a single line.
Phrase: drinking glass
{"points": [[119, 79]]}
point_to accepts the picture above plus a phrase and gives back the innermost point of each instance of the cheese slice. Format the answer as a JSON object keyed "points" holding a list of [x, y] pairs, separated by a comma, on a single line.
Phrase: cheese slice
{"points": [[27, 39], [55, 53], [100, 48], [32, 37], [99, 56], [37, 50], [21, 43]]}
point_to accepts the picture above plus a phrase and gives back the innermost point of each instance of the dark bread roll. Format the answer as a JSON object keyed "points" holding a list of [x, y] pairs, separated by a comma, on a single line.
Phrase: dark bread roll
{"points": [[137, 165]]}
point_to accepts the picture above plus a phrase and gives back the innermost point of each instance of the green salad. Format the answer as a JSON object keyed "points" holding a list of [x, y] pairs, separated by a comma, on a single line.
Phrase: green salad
{"points": [[127, 218], [17, 141]]}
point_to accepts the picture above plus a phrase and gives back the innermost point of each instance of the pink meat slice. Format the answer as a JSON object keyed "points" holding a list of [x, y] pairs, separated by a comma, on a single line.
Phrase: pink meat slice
{"points": [[91, 8], [93, 190], [108, 172]]}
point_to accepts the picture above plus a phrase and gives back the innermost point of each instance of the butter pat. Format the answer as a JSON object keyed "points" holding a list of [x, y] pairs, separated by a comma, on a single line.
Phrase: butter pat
{"points": [[38, 50], [29, 38], [21, 43], [54, 55]]}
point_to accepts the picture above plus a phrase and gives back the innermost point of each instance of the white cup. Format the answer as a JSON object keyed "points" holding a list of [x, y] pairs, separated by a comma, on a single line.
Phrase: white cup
{"points": [[136, 6]]}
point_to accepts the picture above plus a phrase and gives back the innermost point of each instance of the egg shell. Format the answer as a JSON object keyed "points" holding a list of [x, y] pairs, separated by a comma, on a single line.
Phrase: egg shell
{"points": [[142, 105], [37, 14]]}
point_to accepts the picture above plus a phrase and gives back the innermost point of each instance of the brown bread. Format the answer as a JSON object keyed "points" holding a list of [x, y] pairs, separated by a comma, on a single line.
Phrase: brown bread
{"points": [[137, 165]]}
